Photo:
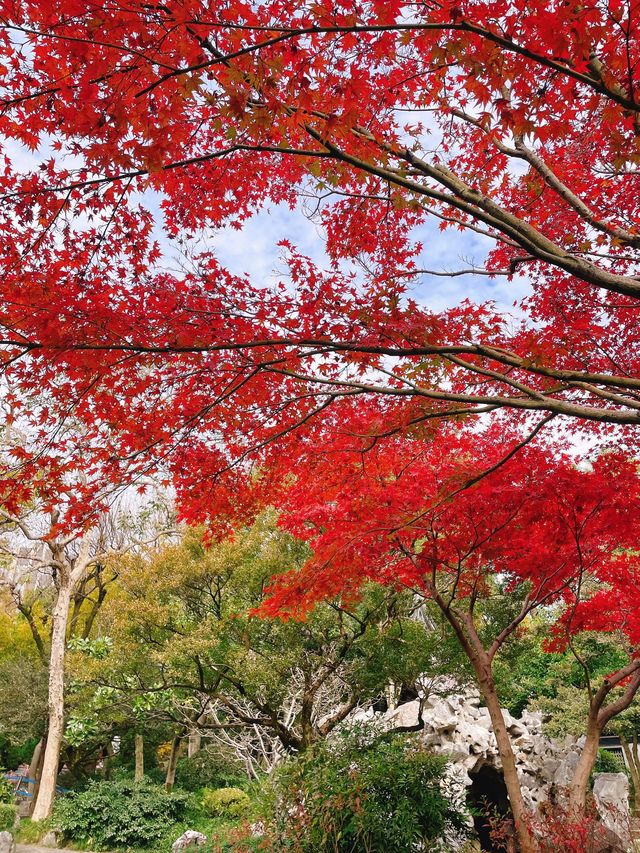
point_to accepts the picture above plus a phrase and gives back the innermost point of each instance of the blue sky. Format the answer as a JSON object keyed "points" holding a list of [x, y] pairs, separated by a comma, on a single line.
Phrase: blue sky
{"points": [[254, 250]]}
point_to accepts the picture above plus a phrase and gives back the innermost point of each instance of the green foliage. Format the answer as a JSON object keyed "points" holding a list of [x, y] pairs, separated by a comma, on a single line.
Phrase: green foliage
{"points": [[182, 626], [7, 816], [225, 802], [109, 815], [361, 794], [7, 794], [608, 762], [98, 648], [566, 712], [15, 754], [208, 768]]}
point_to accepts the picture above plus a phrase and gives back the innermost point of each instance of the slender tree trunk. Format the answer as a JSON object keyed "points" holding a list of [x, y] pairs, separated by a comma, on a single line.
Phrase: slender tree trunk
{"points": [[139, 748], [171, 767], [633, 765], [580, 783], [526, 842], [481, 661], [35, 772], [195, 741], [55, 731], [106, 761]]}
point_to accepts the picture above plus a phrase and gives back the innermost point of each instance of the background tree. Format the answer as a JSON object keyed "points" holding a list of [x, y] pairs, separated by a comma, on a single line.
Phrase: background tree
{"points": [[75, 569], [264, 688], [23, 688]]}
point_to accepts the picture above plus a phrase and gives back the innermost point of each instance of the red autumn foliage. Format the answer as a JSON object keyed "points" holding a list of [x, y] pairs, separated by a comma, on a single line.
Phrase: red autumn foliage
{"points": [[517, 120]]}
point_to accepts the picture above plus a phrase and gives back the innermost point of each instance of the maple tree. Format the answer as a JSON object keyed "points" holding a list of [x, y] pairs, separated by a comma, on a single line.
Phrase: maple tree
{"points": [[537, 530]]}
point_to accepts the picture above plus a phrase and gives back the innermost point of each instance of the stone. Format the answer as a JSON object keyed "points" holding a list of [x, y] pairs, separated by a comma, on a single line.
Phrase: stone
{"points": [[405, 716], [189, 839], [549, 768], [51, 839], [7, 843], [258, 829], [611, 795], [606, 842]]}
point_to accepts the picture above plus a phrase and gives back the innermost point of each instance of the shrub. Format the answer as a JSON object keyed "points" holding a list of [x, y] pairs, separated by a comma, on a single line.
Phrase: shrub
{"points": [[20, 753], [226, 803], [608, 762], [119, 814], [558, 827], [208, 768], [7, 816], [7, 791], [361, 793]]}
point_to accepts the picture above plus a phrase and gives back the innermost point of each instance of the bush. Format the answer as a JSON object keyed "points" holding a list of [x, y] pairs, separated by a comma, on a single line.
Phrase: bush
{"points": [[208, 769], [608, 762], [559, 828], [226, 803], [7, 790], [12, 754], [7, 816], [362, 794], [108, 815]]}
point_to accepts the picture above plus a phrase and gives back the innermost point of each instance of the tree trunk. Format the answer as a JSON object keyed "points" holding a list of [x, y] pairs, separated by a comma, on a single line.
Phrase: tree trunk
{"points": [[35, 772], [635, 764], [171, 767], [481, 661], [526, 841], [106, 761], [55, 731], [139, 748], [580, 783], [630, 751], [195, 740]]}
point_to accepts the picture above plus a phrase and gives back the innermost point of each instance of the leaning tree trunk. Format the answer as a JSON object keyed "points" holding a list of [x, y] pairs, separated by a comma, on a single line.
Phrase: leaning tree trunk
{"points": [[35, 772], [579, 785], [139, 749], [481, 661], [194, 743], [55, 730], [526, 841], [171, 766]]}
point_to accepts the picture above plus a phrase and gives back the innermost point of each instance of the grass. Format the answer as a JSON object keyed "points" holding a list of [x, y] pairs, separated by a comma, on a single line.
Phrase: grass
{"points": [[31, 831]]}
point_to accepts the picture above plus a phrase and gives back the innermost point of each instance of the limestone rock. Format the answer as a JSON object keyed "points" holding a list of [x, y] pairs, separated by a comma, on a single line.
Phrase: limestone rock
{"points": [[611, 793], [189, 839], [7, 843], [456, 726], [405, 716], [51, 839], [606, 842]]}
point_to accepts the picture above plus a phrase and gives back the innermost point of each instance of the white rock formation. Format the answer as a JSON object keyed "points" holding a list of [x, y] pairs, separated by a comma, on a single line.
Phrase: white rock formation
{"points": [[611, 793], [7, 843], [190, 838], [456, 726]]}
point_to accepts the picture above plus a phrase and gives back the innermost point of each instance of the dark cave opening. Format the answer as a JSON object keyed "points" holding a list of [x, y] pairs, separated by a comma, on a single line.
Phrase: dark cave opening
{"points": [[487, 798]]}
